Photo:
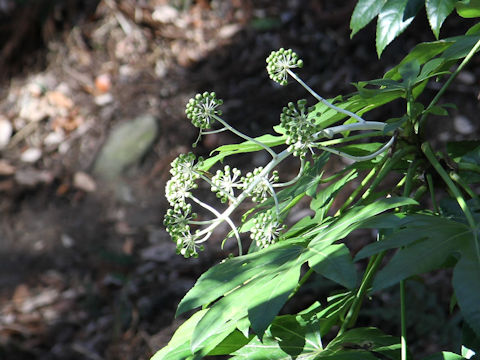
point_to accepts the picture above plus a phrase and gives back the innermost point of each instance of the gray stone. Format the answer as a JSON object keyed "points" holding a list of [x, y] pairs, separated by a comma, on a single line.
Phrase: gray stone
{"points": [[125, 146]]}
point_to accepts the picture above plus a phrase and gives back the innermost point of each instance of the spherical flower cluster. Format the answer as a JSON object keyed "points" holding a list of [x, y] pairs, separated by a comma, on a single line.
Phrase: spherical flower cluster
{"points": [[278, 62], [224, 183], [262, 189], [176, 222], [178, 190], [202, 109], [184, 174], [266, 229], [187, 245], [299, 128], [184, 166]]}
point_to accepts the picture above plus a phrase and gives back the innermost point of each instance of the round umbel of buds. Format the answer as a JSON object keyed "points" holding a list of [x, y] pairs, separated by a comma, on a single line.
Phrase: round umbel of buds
{"points": [[278, 62], [202, 109], [299, 128], [266, 229]]}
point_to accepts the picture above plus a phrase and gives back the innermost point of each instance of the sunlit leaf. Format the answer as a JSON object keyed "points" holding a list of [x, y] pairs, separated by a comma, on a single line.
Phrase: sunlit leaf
{"points": [[364, 12], [391, 23], [437, 12]]}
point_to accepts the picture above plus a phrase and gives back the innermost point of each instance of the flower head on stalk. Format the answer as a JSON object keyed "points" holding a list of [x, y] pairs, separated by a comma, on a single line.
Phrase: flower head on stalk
{"points": [[202, 109], [266, 229], [263, 189], [187, 245], [177, 219], [299, 128], [278, 62], [224, 183]]}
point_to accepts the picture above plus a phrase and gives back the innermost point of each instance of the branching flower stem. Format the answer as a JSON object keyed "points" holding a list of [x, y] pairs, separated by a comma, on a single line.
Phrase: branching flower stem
{"points": [[274, 195], [245, 137], [278, 158], [322, 100], [218, 215], [360, 158], [295, 179], [209, 182]]}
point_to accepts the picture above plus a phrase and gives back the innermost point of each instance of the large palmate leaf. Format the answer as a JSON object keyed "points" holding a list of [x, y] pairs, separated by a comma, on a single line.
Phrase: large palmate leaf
{"points": [[466, 284], [179, 346], [258, 284], [335, 263], [426, 245], [289, 337]]}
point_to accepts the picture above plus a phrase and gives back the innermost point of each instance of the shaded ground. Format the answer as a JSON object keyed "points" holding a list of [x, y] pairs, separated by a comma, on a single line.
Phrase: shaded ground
{"points": [[86, 269]]}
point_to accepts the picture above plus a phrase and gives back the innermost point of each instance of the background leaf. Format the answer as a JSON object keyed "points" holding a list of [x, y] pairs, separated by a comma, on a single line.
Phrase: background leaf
{"points": [[391, 23], [437, 12], [466, 284], [364, 12], [470, 9], [424, 255], [335, 263]]}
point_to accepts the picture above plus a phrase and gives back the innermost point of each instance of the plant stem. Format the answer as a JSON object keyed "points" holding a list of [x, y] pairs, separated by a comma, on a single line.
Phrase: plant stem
{"points": [[354, 310], [322, 100], [385, 170], [364, 182], [455, 177], [427, 150], [403, 318], [465, 61], [431, 188], [301, 282], [243, 136]]}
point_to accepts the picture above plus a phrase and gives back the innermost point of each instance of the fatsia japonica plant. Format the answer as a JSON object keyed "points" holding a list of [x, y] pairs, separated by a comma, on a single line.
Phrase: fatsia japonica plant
{"points": [[427, 220]]}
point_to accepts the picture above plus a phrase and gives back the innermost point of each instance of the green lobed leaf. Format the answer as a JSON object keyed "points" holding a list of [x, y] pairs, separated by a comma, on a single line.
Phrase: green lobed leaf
{"points": [[232, 273], [414, 228], [409, 72], [325, 116], [324, 197], [365, 11], [289, 337], [269, 296], [391, 23], [230, 344], [335, 263], [437, 12], [466, 284], [424, 255], [331, 231], [179, 345]]}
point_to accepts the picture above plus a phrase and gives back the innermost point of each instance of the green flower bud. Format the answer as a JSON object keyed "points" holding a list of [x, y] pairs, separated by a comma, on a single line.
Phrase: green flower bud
{"points": [[279, 61]]}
